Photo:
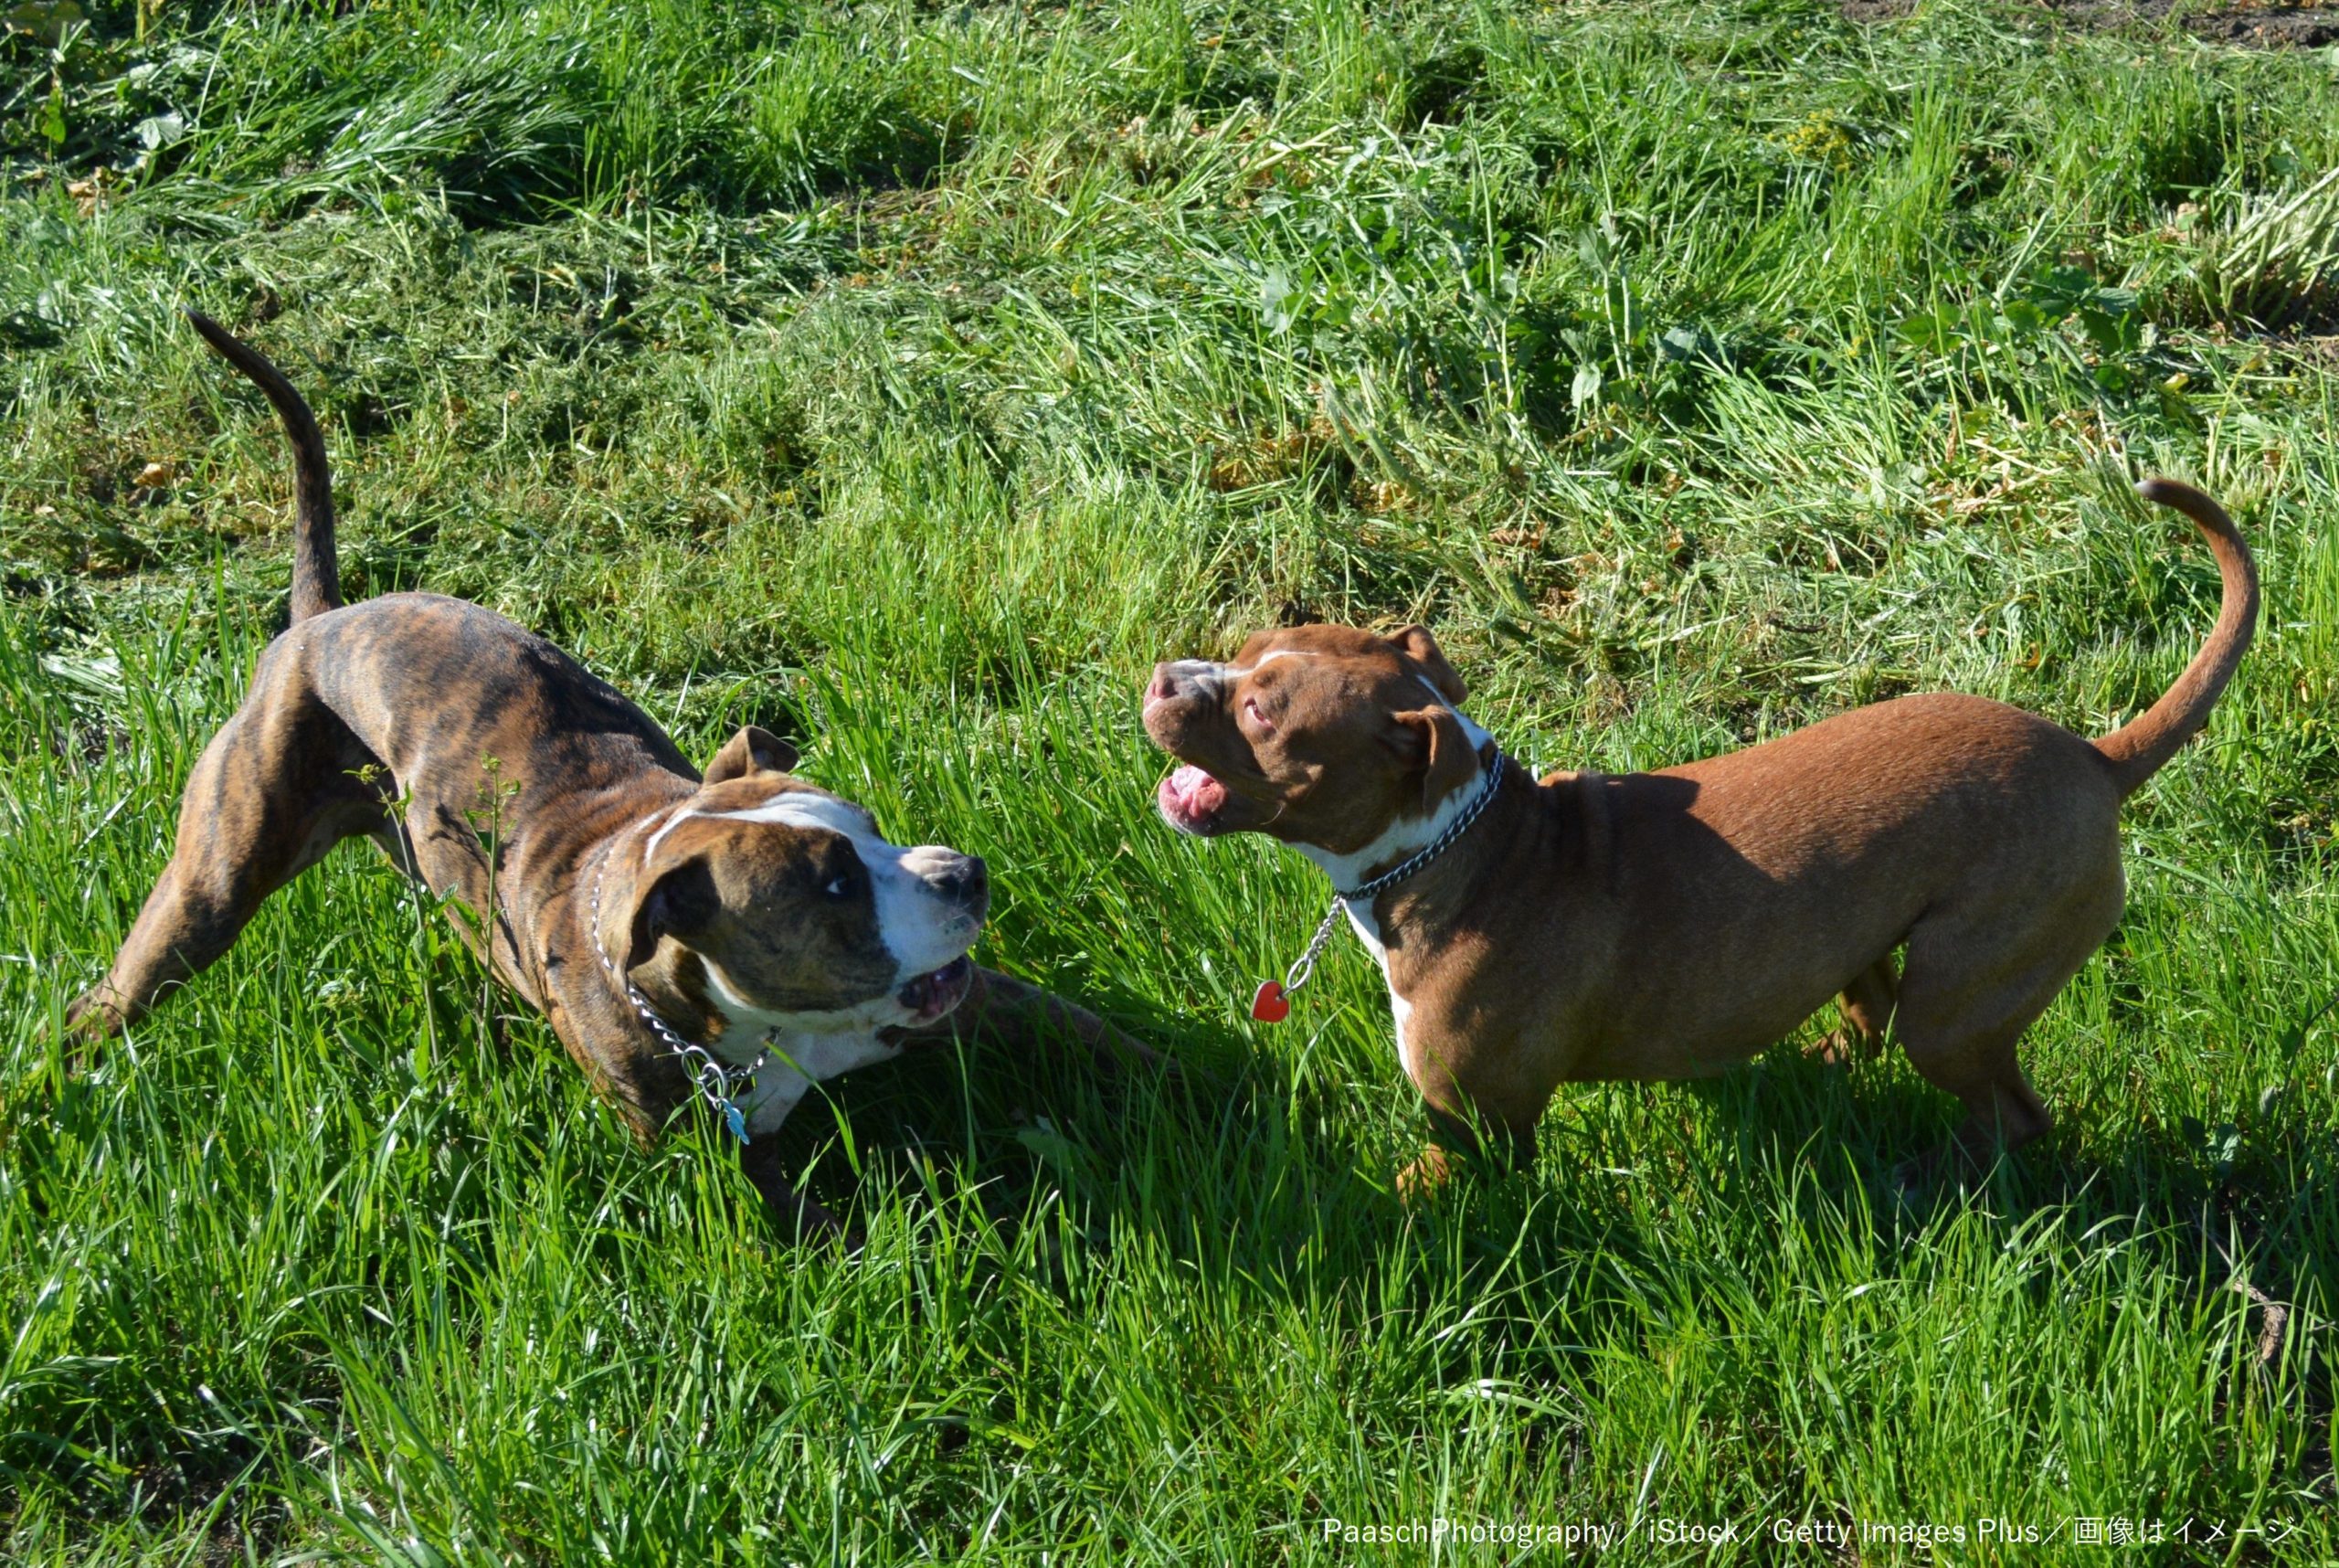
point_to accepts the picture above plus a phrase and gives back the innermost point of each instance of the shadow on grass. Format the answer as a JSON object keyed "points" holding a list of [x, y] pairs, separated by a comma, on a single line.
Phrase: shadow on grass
{"points": [[1245, 1174]]}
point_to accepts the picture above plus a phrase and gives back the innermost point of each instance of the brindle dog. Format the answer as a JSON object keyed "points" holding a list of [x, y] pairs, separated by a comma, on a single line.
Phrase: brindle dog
{"points": [[650, 913]]}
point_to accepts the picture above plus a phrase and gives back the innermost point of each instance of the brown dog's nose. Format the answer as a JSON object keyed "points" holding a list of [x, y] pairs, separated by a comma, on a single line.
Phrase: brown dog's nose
{"points": [[1163, 686]]}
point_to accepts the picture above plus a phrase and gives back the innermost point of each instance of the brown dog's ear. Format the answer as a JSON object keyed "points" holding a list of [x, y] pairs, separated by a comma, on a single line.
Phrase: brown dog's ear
{"points": [[752, 751], [1415, 643], [679, 902], [1432, 741]]}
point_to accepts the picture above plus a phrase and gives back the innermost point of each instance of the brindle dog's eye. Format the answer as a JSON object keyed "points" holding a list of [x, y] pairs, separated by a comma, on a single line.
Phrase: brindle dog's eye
{"points": [[838, 887]]}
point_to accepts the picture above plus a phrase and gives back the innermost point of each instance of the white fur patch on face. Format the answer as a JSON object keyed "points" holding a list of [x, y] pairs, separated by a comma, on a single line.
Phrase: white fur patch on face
{"points": [[1215, 678], [921, 926], [650, 846]]}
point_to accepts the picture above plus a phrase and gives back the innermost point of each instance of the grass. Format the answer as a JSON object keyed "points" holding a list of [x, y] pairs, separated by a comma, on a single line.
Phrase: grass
{"points": [[907, 379]]}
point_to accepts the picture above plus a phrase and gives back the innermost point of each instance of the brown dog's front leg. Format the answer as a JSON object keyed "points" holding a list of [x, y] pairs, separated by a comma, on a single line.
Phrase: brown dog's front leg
{"points": [[1496, 1145]]}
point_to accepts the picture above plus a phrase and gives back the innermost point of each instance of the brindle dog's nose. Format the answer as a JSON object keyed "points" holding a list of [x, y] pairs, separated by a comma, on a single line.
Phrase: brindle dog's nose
{"points": [[966, 882], [962, 879], [1164, 685]]}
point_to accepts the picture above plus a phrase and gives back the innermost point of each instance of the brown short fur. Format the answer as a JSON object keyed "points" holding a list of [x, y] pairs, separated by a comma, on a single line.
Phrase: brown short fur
{"points": [[1663, 924]]}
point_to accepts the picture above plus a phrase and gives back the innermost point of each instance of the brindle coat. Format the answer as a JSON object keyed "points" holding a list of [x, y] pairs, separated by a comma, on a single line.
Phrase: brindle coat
{"points": [[494, 768]]}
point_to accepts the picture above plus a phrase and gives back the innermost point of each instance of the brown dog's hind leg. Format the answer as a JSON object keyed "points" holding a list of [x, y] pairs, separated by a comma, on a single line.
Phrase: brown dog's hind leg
{"points": [[2003, 1112], [1971, 987], [1867, 1006], [265, 802]]}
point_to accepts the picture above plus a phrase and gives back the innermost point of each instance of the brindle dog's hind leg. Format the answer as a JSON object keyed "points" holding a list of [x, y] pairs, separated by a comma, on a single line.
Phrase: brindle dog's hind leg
{"points": [[280, 784]]}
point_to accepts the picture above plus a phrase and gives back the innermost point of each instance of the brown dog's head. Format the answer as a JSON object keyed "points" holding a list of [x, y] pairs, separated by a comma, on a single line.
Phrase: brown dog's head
{"points": [[778, 906], [1324, 736]]}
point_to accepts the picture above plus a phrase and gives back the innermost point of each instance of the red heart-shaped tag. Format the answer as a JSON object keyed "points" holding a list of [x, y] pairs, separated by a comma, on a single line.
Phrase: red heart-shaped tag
{"points": [[1270, 1005]]}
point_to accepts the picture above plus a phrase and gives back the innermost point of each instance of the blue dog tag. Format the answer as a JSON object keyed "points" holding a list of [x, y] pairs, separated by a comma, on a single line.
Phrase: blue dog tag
{"points": [[735, 1120]]}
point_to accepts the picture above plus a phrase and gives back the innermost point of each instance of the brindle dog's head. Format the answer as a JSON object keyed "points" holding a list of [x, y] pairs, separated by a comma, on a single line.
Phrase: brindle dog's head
{"points": [[777, 904], [1323, 735]]}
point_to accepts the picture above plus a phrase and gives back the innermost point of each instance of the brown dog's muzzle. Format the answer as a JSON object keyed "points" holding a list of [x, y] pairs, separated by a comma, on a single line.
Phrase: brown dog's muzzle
{"points": [[1185, 714]]}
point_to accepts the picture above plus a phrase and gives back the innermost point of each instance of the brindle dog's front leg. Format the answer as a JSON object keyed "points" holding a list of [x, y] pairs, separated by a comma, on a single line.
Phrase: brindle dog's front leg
{"points": [[1024, 1014], [652, 1094], [793, 1214]]}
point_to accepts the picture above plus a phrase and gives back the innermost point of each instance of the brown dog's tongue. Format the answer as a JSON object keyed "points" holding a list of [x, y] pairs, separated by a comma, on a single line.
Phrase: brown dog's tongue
{"points": [[1197, 791]]}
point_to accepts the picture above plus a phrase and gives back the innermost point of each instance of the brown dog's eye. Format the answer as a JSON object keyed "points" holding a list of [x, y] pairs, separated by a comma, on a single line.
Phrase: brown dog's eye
{"points": [[1251, 711], [838, 887]]}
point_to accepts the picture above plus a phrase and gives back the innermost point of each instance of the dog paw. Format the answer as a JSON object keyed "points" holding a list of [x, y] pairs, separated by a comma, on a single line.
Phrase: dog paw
{"points": [[92, 1023], [1426, 1176], [1842, 1047]]}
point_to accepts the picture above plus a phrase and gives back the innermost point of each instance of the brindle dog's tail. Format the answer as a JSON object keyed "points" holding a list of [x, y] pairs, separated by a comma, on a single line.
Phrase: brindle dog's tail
{"points": [[2137, 749], [316, 572]]}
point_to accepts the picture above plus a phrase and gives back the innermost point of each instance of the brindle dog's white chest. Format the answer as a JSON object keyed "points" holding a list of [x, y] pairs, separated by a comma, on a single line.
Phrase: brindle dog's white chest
{"points": [[797, 1061]]}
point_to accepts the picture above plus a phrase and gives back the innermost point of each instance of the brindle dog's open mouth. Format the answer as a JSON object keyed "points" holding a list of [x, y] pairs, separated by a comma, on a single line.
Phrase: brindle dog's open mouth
{"points": [[937, 992]]}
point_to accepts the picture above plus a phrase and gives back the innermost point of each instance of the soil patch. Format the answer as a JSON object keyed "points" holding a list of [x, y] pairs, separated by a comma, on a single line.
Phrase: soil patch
{"points": [[2251, 24]]}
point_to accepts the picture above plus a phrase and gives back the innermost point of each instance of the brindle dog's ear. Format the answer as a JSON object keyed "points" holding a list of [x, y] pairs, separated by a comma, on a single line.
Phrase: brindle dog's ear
{"points": [[1415, 643], [1432, 741], [680, 903], [752, 751]]}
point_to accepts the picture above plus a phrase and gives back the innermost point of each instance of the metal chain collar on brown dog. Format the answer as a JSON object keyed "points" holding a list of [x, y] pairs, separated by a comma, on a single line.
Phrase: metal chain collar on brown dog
{"points": [[718, 1083], [1272, 1003]]}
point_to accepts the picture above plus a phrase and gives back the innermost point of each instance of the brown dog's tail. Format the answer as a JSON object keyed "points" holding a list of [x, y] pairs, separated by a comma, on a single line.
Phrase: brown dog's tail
{"points": [[316, 573], [2137, 749]]}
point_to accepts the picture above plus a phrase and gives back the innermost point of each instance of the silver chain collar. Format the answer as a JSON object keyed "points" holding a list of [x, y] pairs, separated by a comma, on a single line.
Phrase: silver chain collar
{"points": [[718, 1083], [1302, 968]]}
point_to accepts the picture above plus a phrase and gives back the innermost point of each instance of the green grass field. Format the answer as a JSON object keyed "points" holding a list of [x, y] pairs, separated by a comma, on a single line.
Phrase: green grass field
{"points": [[907, 379]]}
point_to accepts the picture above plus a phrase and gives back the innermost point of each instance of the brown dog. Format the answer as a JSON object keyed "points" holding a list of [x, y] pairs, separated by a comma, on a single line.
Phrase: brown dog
{"points": [[744, 934], [1665, 925]]}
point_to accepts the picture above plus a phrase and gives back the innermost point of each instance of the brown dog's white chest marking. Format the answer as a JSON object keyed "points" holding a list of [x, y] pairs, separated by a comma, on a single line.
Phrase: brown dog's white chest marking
{"points": [[1408, 847]]}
